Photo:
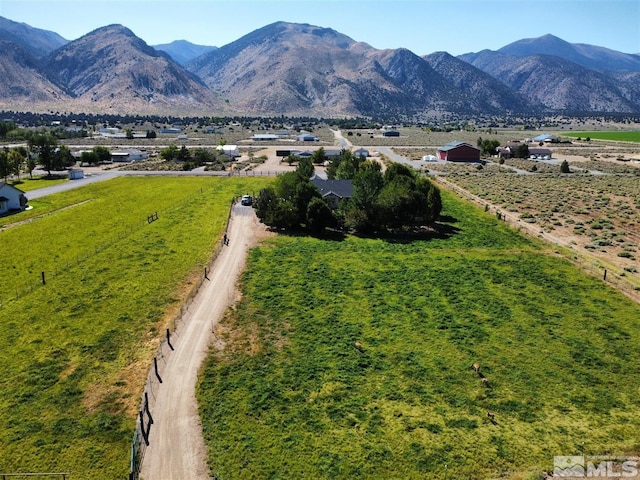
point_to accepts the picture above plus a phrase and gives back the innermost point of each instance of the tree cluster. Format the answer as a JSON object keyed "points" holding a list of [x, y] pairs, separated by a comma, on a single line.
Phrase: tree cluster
{"points": [[397, 199], [189, 159], [49, 153], [487, 147], [293, 202]]}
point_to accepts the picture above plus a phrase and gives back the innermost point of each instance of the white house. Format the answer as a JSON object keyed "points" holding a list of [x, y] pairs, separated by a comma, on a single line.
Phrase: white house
{"points": [[129, 155], [230, 151], [12, 199]]}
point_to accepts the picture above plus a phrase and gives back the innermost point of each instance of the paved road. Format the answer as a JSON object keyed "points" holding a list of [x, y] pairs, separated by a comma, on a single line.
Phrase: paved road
{"points": [[176, 450]]}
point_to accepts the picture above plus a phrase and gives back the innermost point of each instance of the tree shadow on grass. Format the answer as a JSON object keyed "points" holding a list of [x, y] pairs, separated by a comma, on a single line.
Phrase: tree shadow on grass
{"points": [[329, 234], [442, 229]]}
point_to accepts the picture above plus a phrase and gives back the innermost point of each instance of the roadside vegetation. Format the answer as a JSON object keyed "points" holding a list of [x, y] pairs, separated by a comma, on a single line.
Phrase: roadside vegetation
{"points": [[353, 358], [77, 350]]}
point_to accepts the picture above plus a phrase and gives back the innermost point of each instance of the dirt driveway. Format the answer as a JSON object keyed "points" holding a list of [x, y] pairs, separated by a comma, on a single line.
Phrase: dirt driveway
{"points": [[176, 450]]}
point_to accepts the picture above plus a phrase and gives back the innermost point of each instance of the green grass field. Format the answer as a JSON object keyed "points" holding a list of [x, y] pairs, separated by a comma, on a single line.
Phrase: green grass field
{"points": [[291, 397], [26, 184], [77, 350], [618, 136]]}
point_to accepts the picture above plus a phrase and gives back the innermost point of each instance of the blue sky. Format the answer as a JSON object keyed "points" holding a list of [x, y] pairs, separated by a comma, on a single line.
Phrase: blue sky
{"points": [[422, 26]]}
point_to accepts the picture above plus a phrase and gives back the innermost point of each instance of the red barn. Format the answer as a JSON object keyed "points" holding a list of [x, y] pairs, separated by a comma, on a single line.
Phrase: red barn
{"points": [[459, 152]]}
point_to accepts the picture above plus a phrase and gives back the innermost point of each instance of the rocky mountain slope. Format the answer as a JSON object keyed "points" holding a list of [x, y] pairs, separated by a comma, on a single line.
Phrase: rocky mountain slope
{"points": [[589, 56], [287, 67], [110, 69], [305, 70], [23, 82], [556, 83], [33, 40]]}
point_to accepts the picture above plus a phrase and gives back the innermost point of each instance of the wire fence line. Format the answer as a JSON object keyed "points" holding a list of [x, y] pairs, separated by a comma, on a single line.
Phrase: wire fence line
{"points": [[154, 379], [36, 280]]}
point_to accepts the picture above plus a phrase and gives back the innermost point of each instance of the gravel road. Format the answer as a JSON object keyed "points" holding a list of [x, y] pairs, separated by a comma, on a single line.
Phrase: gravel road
{"points": [[176, 450]]}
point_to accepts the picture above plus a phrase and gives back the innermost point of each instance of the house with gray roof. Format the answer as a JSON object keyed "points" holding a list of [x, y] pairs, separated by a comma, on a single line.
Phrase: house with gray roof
{"points": [[333, 191]]}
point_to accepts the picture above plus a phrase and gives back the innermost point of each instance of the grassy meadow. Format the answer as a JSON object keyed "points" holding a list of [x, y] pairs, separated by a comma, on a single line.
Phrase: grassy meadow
{"points": [[77, 350], [290, 396]]}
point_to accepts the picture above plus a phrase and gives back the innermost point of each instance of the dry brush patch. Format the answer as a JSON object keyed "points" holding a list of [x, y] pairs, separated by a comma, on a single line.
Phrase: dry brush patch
{"points": [[600, 213]]}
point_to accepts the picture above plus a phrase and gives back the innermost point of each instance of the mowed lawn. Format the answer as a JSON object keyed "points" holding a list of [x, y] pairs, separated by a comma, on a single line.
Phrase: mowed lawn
{"points": [[76, 351], [290, 396]]}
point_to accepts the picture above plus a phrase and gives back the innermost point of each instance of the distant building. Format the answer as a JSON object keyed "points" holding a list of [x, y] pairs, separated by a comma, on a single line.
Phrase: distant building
{"points": [[230, 151], [12, 199], [170, 130], [306, 137], [76, 174], [391, 133], [263, 137], [540, 153], [129, 155], [333, 191], [361, 152], [458, 152]]}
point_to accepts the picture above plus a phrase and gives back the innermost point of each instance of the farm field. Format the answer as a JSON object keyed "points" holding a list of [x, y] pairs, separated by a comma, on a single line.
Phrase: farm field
{"points": [[290, 395], [77, 350], [599, 214], [621, 136]]}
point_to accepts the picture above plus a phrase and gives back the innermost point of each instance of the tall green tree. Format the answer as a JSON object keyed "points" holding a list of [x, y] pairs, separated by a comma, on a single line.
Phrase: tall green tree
{"points": [[521, 151], [44, 148], [16, 161], [5, 168], [89, 157], [184, 155], [63, 157], [319, 156], [169, 153], [319, 215], [103, 154], [305, 168]]}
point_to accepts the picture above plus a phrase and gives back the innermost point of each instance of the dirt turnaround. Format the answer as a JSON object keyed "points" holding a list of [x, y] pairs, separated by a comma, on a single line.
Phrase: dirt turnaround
{"points": [[176, 448]]}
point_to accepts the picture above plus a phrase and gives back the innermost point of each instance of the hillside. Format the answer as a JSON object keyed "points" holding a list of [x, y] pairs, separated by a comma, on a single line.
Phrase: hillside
{"points": [[110, 69], [23, 82], [556, 83], [182, 51], [306, 70], [36, 41]]}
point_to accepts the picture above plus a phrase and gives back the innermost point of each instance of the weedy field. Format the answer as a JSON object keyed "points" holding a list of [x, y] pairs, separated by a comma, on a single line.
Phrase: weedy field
{"points": [[77, 350], [292, 395], [598, 213]]}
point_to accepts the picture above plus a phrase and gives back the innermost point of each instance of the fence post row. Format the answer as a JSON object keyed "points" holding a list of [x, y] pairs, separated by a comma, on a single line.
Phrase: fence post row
{"points": [[139, 444]]}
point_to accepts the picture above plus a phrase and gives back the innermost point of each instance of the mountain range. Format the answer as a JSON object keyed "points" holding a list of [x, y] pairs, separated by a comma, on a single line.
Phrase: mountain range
{"points": [[305, 70]]}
